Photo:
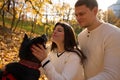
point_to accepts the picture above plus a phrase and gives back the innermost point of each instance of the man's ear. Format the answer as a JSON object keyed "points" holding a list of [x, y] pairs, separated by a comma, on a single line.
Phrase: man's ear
{"points": [[95, 9]]}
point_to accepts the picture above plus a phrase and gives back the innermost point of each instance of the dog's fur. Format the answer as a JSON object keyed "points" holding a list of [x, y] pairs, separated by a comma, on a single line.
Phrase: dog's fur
{"points": [[20, 70]]}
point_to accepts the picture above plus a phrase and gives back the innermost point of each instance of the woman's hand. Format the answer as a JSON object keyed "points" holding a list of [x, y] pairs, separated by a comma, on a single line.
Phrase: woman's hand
{"points": [[39, 52]]}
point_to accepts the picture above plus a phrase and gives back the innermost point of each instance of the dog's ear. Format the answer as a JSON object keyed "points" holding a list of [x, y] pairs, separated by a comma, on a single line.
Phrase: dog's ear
{"points": [[44, 37], [24, 47], [25, 41], [25, 37]]}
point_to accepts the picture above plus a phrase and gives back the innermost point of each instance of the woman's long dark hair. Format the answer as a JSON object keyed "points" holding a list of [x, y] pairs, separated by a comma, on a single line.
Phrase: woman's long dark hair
{"points": [[70, 42]]}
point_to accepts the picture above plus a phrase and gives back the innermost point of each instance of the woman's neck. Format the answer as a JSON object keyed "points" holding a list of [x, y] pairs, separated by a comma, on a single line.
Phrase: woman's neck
{"points": [[60, 48]]}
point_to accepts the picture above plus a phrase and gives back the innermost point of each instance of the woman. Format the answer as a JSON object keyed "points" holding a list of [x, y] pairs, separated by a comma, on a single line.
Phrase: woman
{"points": [[65, 59]]}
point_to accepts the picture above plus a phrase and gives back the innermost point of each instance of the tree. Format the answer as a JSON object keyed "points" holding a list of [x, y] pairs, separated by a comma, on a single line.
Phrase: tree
{"points": [[5, 6], [109, 16]]}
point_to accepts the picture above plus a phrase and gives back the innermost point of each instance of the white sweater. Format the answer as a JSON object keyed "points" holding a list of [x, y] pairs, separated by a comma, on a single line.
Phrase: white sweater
{"points": [[65, 67], [102, 48]]}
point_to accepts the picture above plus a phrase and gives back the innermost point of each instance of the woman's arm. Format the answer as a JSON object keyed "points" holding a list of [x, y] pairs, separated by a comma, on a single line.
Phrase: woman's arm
{"points": [[70, 68]]}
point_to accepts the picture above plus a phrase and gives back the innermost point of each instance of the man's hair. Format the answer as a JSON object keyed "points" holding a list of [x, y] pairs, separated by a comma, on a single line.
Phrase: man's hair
{"points": [[88, 3]]}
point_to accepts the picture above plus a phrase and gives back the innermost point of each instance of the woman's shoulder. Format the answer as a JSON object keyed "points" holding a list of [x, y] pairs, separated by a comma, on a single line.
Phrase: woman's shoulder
{"points": [[78, 54], [73, 54]]}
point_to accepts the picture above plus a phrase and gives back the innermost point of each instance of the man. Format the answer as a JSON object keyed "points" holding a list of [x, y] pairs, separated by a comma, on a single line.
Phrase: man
{"points": [[99, 41]]}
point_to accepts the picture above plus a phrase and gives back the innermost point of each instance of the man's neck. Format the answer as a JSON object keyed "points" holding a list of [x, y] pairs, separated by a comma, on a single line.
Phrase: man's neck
{"points": [[96, 24]]}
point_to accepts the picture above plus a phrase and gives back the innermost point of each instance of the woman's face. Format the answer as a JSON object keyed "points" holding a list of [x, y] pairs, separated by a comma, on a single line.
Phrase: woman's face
{"points": [[58, 35]]}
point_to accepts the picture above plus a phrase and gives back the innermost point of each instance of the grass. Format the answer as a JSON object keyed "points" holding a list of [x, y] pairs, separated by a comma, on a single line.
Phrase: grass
{"points": [[26, 25]]}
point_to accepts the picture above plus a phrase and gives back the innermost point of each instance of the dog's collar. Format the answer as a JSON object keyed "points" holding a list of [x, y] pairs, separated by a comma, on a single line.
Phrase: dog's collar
{"points": [[7, 76], [30, 64]]}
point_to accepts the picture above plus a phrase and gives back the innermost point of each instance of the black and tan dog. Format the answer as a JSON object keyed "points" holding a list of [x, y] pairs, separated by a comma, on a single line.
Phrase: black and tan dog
{"points": [[28, 66]]}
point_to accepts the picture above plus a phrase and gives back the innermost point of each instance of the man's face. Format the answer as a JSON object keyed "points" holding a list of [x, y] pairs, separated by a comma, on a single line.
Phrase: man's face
{"points": [[85, 16]]}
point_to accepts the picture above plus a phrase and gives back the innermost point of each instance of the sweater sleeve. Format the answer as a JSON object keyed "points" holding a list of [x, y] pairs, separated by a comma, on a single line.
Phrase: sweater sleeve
{"points": [[111, 69], [69, 71]]}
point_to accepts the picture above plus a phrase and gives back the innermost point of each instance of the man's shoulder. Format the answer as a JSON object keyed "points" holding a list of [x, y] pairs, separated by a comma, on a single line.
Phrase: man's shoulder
{"points": [[84, 31], [111, 28]]}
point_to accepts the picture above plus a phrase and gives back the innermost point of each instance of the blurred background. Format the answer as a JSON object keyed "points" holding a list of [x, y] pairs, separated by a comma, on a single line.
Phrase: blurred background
{"points": [[37, 17]]}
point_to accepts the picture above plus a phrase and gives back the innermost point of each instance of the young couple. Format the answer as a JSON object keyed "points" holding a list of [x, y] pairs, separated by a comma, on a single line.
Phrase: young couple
{"points": [[99, 42]]}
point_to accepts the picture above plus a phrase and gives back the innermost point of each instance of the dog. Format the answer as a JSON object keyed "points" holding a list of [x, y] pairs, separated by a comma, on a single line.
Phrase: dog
{"points": [[27, 68]]}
